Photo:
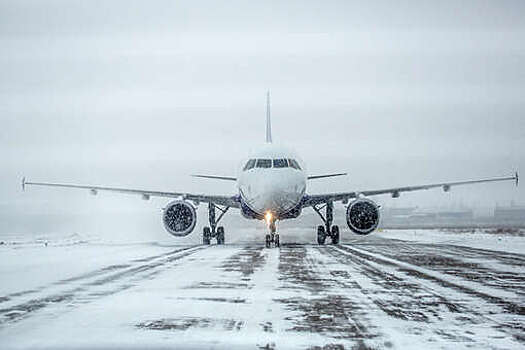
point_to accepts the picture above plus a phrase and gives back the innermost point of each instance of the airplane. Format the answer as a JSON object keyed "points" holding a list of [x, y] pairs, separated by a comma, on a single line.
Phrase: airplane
{"points": [[272, 186]]}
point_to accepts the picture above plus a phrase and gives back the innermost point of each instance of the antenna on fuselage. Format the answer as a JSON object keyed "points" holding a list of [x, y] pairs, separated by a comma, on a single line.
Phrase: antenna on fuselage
{"points": [[268, 119]]}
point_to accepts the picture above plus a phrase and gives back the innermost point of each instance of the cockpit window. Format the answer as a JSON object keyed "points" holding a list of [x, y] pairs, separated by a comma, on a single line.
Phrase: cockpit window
{"points": [[280, 163], [264, 163], [294, 164], [249, 165]]}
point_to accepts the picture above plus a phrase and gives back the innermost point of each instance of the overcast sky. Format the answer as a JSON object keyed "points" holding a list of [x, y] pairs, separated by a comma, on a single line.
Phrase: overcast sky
{"points": [[143, 93]]}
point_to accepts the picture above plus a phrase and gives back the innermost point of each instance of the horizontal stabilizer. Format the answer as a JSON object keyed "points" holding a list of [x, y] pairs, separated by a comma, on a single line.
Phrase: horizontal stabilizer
{"points": [[228, 178], [327, 175]]}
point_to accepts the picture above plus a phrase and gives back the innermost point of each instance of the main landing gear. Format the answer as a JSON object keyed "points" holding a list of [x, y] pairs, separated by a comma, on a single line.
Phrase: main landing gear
{"points": [[328, 230], [213, 231], [272, 237]]}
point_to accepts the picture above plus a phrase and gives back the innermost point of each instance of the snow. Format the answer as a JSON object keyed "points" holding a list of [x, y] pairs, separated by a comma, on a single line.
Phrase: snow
{"points": [[29, 264], [476, 239], [369, 292]]}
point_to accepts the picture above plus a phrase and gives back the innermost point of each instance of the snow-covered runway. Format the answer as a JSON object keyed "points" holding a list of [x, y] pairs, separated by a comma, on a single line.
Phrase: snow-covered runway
{"points": [[375, 292]]}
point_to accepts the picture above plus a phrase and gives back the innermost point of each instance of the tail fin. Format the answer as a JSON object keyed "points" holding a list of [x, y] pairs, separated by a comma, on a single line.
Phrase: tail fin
{"points": [[268, 120]]}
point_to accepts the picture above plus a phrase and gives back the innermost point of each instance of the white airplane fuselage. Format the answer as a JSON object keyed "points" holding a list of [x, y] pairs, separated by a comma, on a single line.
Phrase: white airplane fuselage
{"points": [[275, 190]]}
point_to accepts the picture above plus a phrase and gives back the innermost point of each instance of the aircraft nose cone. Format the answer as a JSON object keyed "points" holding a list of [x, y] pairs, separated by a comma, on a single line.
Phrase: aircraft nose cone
{"points": [[277, 198]]}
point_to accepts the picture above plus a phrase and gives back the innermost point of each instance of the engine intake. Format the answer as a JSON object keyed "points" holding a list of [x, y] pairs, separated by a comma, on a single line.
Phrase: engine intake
{"points": [[362, 216], [179, 218]]}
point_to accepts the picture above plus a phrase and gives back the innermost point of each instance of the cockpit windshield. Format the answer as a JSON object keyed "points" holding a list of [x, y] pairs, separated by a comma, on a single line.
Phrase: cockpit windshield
{"points": [[294, 164], [249, 165], [264, 163], [280, 163], [271, 163]]}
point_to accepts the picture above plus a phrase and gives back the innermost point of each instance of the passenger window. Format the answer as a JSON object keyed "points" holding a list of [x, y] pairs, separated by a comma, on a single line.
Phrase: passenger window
{"points": [[249, 165], [280, 163], [264, 163], [294, 164]]}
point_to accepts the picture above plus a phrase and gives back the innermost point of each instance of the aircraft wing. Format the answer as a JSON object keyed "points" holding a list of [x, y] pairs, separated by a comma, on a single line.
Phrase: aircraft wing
{"points": [[229, 201], [395, 192], [325, 175], [216, 177]]}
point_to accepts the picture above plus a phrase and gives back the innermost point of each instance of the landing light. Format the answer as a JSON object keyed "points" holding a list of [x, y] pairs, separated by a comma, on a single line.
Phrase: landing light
{"points": [[268, 217]]}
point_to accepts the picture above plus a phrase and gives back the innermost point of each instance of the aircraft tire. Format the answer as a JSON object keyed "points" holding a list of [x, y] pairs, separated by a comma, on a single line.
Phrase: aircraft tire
{"points": [[321, 235], [206, 233], [220, 235], [335, 234]]}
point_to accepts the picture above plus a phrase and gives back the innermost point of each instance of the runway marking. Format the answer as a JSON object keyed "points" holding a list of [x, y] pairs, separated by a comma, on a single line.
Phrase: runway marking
{"points": [[89, 290]]}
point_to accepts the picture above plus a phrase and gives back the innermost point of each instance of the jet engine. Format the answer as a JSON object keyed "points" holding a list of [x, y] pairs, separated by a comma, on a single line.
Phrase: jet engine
{"points": [[179, 218], [362, 216]]}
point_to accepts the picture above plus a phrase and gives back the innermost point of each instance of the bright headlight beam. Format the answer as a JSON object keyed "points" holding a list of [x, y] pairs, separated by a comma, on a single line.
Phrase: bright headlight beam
{"points": [[268, 217]]}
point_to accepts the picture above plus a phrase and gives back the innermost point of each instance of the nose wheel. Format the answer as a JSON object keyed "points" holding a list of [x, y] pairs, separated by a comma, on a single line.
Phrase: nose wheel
{"points": [[272, 237]]}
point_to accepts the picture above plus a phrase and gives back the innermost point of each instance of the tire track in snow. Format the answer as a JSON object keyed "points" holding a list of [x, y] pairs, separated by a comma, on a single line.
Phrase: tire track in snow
{"points": [[13, 297], [385, 244], [224, 280], [106, 282], [419, 287], [319, 305], [505, 298], [471, 265]]}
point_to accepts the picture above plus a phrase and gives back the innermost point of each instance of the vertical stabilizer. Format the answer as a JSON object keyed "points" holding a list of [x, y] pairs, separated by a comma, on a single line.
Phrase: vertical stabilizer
{"points": [[268, 119]]}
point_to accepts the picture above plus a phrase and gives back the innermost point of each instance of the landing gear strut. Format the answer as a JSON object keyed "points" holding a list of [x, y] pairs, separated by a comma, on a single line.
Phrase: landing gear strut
{"points": [[213, 231], [328, 230], [273, 236]]}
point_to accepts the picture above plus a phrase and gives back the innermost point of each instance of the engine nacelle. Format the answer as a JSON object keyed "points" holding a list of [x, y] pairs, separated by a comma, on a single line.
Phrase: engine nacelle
{"points": [[179, 218], [362, 216]]}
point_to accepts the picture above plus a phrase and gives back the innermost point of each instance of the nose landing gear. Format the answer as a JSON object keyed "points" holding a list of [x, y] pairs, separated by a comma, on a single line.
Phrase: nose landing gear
{"points": [[213, 231], [273, 236], [328, 230]]}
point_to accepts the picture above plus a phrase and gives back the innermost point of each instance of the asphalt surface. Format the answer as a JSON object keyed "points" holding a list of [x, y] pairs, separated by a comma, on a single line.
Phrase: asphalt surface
{"points": [[374, 293]]}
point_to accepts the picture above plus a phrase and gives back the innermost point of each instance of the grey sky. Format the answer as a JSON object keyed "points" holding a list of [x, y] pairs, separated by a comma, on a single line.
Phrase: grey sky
{"points": [[137, 93]]}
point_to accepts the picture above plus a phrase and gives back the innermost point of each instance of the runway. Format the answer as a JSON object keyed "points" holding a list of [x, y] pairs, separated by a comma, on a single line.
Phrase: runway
{"points": [[371, 293]]}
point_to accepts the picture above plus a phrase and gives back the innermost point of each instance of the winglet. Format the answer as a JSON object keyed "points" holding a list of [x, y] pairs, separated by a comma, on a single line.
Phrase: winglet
{"points": [[268, 120], [24, 183], [517, 179]]}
